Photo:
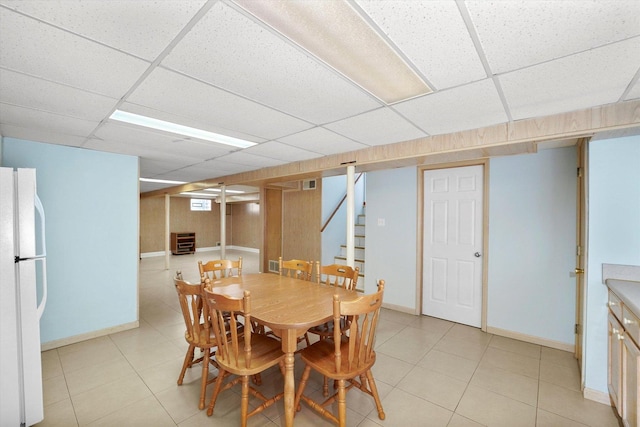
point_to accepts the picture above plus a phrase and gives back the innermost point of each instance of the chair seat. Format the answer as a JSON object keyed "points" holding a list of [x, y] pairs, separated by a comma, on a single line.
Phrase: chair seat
{"points": [[320, 356], [326, 329], [265, 352], [206, 338]]}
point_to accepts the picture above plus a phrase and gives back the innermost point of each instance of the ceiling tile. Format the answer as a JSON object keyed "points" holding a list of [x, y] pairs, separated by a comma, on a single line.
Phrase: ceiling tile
{"points": [[40, 135], [220, 167], [143, 151], [166, 143], [36, 119], [280, 151], [144, 29], [182, 96], [466, 107], [321, 140], [382, 126], [432, 35], [26, 91], [189, 174], [286, 78], [32, 47], [253, 160], [151, 168], [186, 121], [599, 76], [516, 34], [634, 92]]}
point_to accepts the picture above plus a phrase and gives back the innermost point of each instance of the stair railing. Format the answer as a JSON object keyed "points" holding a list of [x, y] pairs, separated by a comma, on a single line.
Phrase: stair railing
{"points": [[339, 204]]}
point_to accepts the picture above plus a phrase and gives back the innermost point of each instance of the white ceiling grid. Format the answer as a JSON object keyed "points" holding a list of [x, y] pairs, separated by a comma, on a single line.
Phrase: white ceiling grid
{"points": [[66, 65]]}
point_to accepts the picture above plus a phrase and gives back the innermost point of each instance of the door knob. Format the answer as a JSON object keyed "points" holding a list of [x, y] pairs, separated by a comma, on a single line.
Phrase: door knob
{"points": [[477, 255]]}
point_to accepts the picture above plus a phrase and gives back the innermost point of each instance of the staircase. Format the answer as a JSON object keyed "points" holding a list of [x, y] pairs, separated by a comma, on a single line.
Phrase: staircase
{"points": [[359, 251]]}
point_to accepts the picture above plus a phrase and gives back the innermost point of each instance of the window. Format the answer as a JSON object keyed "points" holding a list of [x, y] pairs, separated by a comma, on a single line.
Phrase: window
{"points": [[200, 204]]}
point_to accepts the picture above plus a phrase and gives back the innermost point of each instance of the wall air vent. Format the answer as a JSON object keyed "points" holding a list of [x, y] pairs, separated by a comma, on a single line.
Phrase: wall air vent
{"points": [[274, 266], [309, 184]]}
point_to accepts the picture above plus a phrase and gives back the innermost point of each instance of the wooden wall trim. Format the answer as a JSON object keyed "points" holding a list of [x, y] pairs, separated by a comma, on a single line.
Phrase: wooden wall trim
{"points": [[576, 124]]}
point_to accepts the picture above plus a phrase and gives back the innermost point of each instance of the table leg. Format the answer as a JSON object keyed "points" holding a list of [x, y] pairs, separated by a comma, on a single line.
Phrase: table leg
{"points": [[289, 345]]}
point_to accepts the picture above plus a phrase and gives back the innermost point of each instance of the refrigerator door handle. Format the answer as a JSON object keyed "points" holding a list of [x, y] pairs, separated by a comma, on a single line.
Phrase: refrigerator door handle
{"points": [[42, 257]]}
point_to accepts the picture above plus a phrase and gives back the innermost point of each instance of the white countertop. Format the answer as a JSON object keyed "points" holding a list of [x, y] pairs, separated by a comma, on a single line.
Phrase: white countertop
{"points": [[628, 291]]}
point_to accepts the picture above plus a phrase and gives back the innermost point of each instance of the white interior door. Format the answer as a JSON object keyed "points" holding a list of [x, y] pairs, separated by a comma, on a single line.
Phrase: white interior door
{"points": [[452, 252]]}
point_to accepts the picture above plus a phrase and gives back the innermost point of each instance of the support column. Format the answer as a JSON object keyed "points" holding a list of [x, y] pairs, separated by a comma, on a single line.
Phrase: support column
{"points": [[351, 172], [223, 222], [167, 232]]}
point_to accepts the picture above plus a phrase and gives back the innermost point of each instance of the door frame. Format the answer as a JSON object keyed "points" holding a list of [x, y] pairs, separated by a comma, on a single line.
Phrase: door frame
{"points": [[582, 148], [485, 230]]}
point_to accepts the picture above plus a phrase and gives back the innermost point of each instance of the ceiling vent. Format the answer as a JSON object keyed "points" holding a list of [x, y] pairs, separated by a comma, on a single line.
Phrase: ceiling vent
{"points": [[309, 184]]}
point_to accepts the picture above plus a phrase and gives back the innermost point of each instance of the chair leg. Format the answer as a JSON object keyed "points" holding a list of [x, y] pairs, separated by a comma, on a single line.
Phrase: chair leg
{"points": [[216, 391], [244, 401], [205, 377], [325, 387], [374, 393], [301, 386], [342, 404], [188, 358]]}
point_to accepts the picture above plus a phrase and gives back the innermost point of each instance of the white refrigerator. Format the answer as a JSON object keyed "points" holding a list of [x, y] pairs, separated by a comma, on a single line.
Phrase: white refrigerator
{"points": [[22, 278]]}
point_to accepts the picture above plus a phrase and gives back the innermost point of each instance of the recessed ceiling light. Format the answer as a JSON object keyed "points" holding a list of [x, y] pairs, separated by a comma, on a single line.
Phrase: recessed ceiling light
{"points": [[337, 34], [162, 181], [149, 122]]}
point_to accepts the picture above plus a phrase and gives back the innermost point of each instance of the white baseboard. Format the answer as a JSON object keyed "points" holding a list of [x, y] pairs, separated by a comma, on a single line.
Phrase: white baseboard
{"points": [[532, 339], [205, 249], [50, 345], [151, 254], [597, 396], [399, 308]]}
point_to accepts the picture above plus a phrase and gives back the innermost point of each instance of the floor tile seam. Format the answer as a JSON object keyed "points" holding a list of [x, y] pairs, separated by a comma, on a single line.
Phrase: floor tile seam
{"points": [[515, 352], [469, 382], [113, 380], [127, 406]]}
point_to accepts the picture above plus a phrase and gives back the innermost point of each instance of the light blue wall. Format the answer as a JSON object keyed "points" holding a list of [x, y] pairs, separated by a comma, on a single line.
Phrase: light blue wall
{"points": [[532, 223], [614, 238], [333, 189], [533, 194], [91, 203], [391, 249]]}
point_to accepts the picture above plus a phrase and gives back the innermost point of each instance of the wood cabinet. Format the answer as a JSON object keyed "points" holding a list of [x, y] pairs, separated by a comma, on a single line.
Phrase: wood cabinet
{"points": [[183, 243], [624, 360]]}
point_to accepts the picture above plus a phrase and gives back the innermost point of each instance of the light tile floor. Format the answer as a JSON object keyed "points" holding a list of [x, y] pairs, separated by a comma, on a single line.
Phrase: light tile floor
{"points": [[429, 372]]}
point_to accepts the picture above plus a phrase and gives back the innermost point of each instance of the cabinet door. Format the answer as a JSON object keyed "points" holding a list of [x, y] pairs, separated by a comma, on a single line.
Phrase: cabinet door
{"points": [[616, 337], [630, 383]]}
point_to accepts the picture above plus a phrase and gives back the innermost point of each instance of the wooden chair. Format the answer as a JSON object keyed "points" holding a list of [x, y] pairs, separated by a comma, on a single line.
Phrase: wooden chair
{"points": [[336, 275], [242, 354], [341, 276], [198, 333], [347, 358], [219, 268], [296, 268]]}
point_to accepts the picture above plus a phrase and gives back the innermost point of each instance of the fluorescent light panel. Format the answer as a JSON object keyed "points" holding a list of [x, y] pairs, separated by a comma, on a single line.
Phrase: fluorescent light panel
{"points": [[199, 194], [226, 191], [162, 181], [149, 122], [337, 34]]}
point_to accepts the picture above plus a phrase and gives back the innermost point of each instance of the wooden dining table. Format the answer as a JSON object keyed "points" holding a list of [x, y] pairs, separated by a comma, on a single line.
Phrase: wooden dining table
{"points": [[289, 307]]}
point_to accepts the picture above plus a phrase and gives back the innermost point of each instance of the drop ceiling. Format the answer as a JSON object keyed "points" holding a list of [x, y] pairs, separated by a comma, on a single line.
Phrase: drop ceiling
{"points": [[65, 66]]}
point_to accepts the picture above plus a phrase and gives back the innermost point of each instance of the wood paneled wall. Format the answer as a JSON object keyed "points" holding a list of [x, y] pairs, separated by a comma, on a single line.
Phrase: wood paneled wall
{"points": [[272, 226], [243, 223], [301, 218]]}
